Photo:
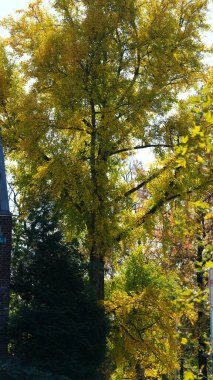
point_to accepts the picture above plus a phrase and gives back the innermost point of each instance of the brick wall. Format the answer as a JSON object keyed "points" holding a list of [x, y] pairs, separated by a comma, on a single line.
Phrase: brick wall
{"points": [[5, 255]]}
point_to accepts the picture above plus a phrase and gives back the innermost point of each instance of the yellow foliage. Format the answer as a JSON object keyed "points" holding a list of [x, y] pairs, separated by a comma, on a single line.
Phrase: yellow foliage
{"points": [[188, 375], [184, 341], [144, 329], [196, 131], [184, 139]]}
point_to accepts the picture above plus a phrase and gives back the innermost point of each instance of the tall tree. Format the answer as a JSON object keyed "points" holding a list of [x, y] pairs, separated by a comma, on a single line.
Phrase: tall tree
{"points": [[101, 79]]}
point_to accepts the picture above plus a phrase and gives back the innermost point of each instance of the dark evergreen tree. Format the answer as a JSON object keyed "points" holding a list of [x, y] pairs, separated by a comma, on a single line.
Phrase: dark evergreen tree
{"points": [[55, 322]]}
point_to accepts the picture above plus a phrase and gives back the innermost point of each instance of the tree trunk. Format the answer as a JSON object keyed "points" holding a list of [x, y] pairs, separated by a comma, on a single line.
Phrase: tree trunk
{"points": [[96, 275], [202, 359], [139, 372], [182, 369], [96, 268]]}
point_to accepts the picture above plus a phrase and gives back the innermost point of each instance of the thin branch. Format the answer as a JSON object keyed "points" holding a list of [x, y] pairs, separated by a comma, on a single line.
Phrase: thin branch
{"points": [[147, 180], [76, 205], [141, 147], [74, 129], [87, 123], [129, 334], [141, 331], [168, 198]]}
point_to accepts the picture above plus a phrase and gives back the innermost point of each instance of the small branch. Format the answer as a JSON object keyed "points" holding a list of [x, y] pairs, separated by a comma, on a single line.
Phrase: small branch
{"points": [[147, 180], [129, 334], [141, 147], [87, 123], [168, 198], [75, 129], [77, 206]]}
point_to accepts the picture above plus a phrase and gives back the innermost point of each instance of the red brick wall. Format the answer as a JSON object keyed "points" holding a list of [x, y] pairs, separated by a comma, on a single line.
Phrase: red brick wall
{"points": [[5, 255]]}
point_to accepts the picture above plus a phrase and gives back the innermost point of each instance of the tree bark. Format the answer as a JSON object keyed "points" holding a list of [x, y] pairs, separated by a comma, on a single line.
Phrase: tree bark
{"points": [[96, 266], [96, 275], [139, 372], [182, 369]]}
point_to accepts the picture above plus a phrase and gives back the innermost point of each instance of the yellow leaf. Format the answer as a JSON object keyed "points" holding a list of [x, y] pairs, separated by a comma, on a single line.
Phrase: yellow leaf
{"points": [[188, 375], [201, 145], [184, 139], [181, 162], [184, 150], [209, 117], [208, 265], [200, 159], [184, 341], [195, 99], [196, 131], [187, 292], [208, 146]]}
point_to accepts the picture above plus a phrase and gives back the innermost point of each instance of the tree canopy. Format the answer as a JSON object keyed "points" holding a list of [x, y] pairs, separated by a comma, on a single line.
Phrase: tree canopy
{"points": [[83, 86], [102, 80]]}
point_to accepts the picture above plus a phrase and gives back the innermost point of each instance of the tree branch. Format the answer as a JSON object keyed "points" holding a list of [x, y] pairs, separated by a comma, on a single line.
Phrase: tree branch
{"points": [[147, 180], [141, 147], [74, 129], [87, 123], [168, 198]]}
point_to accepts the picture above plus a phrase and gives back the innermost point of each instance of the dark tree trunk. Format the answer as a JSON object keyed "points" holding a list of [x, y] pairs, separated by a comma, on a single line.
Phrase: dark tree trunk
{"points": [[181, 369], [164, 377], [96, 275], [96, 268], [202, 359], [139, 372]]}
